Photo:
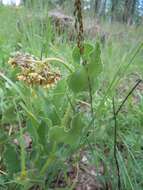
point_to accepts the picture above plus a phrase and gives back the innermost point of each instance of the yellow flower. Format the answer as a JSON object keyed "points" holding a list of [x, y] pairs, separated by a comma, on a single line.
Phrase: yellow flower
{"points": [[34, 71]]}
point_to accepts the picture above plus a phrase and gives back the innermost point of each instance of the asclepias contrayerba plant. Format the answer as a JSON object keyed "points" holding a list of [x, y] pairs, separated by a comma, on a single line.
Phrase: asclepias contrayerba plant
{"points": [[52, 117]]}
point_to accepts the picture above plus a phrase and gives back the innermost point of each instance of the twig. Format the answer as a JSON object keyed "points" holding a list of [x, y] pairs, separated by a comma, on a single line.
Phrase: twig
{"points": [[125, 99], [115, 146]]}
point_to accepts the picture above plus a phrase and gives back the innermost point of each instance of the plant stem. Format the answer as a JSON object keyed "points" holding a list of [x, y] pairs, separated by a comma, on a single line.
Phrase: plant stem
{"points": [[115, 146], [58, 60], [90, 94], [125, 99]]}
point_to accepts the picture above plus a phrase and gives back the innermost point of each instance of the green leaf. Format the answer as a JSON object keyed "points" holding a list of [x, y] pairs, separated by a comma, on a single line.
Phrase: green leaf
{"points": [[43, 134], [94, 62], [57, 134], [11, 159], [72, 136], [32, 130], [77, 125], [59, 93], [9, 115], [52, 113], [3, 136], [88, 48], [78, 81]]}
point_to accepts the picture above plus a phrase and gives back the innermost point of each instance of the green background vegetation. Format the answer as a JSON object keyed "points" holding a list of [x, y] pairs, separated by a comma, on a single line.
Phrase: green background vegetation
{"points": [[53, 117]]}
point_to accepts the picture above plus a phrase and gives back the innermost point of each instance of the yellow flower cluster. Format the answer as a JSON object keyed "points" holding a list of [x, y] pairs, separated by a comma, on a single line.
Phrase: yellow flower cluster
{"points": [[34, 71]]}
